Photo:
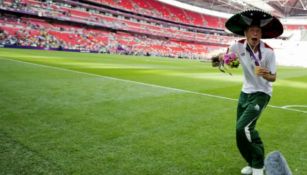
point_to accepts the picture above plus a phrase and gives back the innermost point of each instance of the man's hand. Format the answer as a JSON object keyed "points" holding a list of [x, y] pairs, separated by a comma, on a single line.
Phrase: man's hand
{"points": [[262, 71], [221, 56], [266, 74]]}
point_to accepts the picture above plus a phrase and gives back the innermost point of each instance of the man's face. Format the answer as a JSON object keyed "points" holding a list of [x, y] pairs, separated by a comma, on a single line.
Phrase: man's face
{"points": [[253, 35]]}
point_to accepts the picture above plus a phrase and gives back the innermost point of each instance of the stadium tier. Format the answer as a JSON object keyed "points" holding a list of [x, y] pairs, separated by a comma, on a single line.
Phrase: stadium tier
{"points": [[164, 11], [112, 26]]}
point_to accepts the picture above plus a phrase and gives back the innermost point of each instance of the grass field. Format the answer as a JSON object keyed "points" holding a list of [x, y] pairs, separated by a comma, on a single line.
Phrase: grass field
{"points": [[80, 113]]}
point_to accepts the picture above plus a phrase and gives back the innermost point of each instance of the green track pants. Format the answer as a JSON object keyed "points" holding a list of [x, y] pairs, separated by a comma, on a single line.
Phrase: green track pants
{"points": [[249, 142]]}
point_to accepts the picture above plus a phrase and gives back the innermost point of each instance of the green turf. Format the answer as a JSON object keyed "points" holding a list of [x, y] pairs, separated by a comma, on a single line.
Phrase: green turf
{"points": [[80, 113]]}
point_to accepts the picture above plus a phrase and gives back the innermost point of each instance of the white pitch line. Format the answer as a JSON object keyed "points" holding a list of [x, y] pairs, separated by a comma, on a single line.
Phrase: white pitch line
{"points": [[151, 85], [293, 106], [124, 80], [287, 108], [290, 107]]}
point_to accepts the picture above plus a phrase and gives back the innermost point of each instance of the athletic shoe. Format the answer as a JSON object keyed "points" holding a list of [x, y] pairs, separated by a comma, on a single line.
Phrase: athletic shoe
{"points": [[257, 171], [247, 170]]}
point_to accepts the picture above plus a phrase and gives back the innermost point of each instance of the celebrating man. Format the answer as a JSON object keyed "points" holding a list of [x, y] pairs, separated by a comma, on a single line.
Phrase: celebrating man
{"points": [[259, 67]]}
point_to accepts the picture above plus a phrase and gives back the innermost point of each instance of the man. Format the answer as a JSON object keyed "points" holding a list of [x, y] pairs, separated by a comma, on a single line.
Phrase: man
{"points": [[258, 63]]}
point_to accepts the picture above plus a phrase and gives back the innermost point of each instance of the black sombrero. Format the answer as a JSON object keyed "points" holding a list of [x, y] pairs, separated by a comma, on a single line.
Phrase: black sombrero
{"points": [[270, 25]]}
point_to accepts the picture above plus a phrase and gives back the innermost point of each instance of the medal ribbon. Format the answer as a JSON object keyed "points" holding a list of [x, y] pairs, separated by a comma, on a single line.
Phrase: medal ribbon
{"points": [[252, 54]]}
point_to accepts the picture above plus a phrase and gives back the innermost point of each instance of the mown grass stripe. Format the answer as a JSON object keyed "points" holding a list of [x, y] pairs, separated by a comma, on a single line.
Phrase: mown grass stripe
{"points": [[148, 84]]}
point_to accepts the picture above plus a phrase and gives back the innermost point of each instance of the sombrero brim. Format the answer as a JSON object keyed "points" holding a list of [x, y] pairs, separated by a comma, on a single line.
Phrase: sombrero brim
{"points": [[270, 25]]}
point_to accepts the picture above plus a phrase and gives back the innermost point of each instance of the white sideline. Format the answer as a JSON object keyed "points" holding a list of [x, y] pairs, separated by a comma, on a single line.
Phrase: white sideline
{"points": [[151, 85]]}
